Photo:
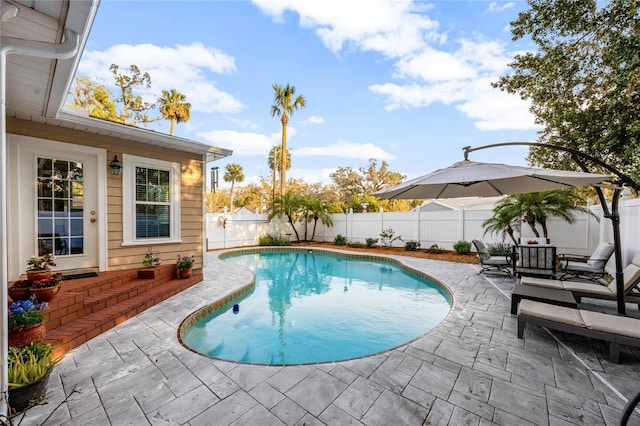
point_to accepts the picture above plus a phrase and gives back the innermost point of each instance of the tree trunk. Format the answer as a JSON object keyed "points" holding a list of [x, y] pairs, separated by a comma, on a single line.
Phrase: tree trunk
{"points": [[295, 231], [283, 156]]}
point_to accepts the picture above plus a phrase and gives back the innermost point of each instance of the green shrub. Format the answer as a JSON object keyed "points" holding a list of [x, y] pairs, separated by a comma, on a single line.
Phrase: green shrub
{"points": [[356, 244], [462, 247], [499, 249], [340, 240], [412, 246], [371, 242], [435, 249], [271, 240]]}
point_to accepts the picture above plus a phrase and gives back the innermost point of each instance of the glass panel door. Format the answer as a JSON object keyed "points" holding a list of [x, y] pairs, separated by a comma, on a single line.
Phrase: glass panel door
{"points": [[60, 201]]}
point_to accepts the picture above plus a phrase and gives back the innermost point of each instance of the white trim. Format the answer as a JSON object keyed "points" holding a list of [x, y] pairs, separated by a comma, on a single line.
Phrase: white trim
{"points": [[16, 143], [129, 164]]}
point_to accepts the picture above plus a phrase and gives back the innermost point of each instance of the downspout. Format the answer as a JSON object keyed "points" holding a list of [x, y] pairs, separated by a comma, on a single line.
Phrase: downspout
{"points": [[11, 45]]}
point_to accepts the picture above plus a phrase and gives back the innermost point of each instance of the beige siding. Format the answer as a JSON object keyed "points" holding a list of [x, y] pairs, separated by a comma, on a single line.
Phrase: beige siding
{"points": [[192, 174]]}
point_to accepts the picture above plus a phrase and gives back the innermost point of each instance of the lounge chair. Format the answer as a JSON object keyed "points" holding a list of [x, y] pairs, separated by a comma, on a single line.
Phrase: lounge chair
{"points": [[592, 269], [488, 262], [617, 330], [596, 291]]}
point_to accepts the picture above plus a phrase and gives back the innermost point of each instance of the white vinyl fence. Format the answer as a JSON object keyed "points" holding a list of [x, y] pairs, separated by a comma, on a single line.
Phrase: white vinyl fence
{"points": [[443, 228]]}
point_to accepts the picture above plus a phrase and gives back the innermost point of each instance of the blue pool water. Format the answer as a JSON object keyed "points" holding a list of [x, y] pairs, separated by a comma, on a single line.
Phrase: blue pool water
{"points": [[310, 307]]}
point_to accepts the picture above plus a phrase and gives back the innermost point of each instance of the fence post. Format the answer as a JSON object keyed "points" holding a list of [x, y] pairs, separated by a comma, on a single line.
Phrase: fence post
{"points": [[461, 218]]}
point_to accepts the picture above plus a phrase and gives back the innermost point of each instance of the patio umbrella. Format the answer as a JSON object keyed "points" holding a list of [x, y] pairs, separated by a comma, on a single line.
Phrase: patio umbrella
{"points": [[473, 179]]}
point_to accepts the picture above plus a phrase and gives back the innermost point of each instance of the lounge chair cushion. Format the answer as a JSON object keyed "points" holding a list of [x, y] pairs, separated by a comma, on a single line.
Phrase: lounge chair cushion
{"points": [[542, 282], [595, 289], [631, 275], [613, 324], [601, 255], [550, 312]]}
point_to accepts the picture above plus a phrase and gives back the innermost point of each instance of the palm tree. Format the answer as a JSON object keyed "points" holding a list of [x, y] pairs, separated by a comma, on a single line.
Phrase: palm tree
{"points": [[173, 107], [233, 174], [274, 161], [317, 210], [534, 208], [288, 205], [502, 222], [284, 105]]}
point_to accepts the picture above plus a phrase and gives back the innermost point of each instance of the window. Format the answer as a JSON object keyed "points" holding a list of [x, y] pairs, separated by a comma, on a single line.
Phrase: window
{"points": [[151, 200]]}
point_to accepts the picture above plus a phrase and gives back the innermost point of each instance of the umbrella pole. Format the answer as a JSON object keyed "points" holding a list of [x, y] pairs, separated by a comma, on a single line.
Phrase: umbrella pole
{"points": [[615, 222]]}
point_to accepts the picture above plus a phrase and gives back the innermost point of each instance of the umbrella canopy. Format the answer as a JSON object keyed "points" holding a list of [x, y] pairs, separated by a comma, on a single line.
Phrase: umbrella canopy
{"points": [[469, 178]]}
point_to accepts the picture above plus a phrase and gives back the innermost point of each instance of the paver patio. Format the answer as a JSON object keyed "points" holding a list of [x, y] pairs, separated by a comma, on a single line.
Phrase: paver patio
{"points": [[469, 370]]}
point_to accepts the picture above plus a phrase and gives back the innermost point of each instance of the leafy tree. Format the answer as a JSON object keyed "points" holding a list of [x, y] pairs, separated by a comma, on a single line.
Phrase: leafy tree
{"points": [[173, 107], [583, 79], [285, 103], [216, 201], [288, 205], [134, 108], [534, 208], [95, 98], [252, 196], [351, 184], [233, 174], [373, 204], [275, 160]]}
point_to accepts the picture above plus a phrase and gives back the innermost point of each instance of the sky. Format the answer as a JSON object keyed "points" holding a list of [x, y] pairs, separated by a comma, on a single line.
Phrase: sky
{"points": [[406, 82]]}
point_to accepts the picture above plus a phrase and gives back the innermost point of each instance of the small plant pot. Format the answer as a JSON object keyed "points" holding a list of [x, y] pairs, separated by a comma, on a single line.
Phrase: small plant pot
{"points": [[45, 294], [184, 273], [17, 294], [23, 397], [25, 336], [39, 274]]}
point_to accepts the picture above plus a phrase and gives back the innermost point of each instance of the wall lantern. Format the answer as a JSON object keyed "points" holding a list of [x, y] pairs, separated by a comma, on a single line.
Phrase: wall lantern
{"points": [[115, 166]]}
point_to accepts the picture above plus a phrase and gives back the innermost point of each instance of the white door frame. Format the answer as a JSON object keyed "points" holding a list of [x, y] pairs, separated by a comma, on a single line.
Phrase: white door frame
{"points": [[20, 249]]}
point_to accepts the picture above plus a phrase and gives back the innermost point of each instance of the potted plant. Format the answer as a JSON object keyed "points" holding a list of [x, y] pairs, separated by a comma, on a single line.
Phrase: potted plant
{"points": [[26, 322], [29, 368], [39, 267], [185, 264], [47, 288], [19, 290]]}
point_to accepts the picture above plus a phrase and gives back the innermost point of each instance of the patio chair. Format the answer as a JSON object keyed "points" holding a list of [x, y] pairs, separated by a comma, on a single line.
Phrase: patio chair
{"points": [[617, 330], [488, 262], [592, 268], [597, 291]]}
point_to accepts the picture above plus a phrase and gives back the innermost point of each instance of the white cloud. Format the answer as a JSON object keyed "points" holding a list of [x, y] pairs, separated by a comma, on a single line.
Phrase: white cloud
{"points": [[496, 8], [194, 64], [246, 143], [312, 175], [242, 143], [350, 150], [393, 28], [426, 70], [314, 119]]}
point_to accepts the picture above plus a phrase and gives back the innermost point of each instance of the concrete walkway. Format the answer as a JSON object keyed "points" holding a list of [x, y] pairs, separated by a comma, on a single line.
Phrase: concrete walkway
{"points": [[469, 370]]}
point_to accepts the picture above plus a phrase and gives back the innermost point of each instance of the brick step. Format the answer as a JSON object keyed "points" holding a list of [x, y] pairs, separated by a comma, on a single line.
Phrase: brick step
{"points": [[78, 298], [74, 333]]}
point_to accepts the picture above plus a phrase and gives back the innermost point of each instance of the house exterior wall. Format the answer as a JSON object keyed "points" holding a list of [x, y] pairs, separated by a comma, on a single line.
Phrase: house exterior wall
{"points": [[191, 193]]}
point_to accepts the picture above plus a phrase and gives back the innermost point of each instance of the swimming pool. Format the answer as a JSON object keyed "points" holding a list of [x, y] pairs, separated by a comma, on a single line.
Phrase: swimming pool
{"points": [[311, 306]]}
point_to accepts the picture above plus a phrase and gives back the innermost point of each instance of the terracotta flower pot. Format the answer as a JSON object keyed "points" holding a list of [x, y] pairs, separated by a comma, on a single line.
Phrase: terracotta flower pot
{"points": [[45, 294], [25, 336], [184, 273], [38, 274], [21, 398], [18, 293]]}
